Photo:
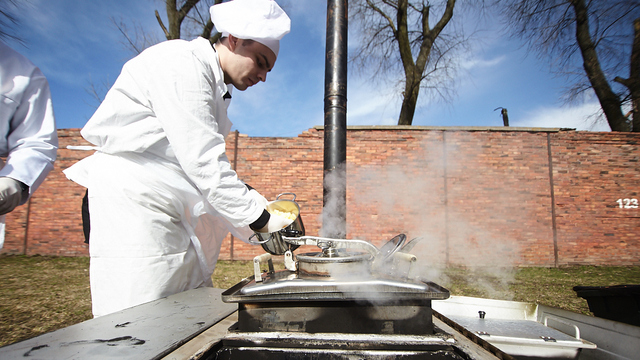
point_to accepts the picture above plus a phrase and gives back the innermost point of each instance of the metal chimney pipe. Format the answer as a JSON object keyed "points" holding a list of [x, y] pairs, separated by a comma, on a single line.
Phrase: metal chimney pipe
{"points": [[334, 219]]}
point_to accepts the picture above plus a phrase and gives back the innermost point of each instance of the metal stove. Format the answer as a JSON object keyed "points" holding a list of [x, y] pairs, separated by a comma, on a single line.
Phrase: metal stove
{"points": [[348, 300], [342, 289]]}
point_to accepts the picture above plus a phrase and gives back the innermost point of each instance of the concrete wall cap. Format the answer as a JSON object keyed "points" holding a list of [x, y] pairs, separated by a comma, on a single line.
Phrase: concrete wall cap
{"points": [[450, 128]]}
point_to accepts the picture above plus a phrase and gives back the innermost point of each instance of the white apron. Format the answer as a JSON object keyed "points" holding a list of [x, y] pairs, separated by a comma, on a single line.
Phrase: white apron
{"points": [[2, 218], [2, 221], [152, 232]]}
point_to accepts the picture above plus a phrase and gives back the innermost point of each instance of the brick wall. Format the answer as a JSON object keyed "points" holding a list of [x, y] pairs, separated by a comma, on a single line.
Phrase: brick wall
{"points": [[472, 196]]}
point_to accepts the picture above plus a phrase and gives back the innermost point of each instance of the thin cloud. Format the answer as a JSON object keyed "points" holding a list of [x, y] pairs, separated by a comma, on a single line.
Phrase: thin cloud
{"points": [[478, 63], [367, 105], [583, 117]]}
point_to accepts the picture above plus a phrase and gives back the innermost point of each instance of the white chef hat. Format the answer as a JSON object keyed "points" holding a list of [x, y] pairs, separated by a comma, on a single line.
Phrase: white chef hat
{"points": [[260, 20]]}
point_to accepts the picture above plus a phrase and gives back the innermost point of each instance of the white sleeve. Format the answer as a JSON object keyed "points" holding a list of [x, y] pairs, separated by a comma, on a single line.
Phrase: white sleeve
{"points": [[186, 103], [32, 139]]}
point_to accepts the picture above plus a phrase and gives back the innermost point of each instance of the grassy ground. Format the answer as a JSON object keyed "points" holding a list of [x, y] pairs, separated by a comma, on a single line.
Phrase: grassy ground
{"points": [[547, 286], [41, 294]]}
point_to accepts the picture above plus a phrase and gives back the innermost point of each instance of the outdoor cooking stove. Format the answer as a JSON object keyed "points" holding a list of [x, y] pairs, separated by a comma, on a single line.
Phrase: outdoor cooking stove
{"points": [[348, 299]]}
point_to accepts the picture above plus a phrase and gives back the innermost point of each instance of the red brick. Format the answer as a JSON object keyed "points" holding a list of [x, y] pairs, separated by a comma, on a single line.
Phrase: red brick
{"points": [[477, 197]]}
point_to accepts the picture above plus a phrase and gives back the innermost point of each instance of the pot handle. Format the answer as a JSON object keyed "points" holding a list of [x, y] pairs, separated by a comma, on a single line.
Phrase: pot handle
{"points": [[259, 237], [333, 243], [287, 193]]}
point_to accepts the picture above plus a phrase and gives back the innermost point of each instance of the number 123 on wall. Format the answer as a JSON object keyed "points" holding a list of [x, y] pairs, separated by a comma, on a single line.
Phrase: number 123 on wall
{"points": [[627, 203]]}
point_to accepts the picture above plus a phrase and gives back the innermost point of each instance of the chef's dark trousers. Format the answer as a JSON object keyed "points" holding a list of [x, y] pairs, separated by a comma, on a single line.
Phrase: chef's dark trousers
{"points": [[86, 225]]}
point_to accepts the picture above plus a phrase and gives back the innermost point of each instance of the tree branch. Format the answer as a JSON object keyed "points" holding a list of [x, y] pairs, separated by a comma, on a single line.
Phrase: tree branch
{"points": [[166, 33], [402, 35], [622, 81], [206, 31], [383, 14], [184, 10], [446, 17], [609, 101], [132, 44]]}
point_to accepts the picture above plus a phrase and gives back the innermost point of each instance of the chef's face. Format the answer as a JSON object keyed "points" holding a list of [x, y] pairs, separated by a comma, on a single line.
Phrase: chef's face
{"points": [[251, 61]]}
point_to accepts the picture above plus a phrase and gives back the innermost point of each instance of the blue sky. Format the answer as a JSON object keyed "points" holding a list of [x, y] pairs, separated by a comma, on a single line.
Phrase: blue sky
{"points": [[75, 43]]}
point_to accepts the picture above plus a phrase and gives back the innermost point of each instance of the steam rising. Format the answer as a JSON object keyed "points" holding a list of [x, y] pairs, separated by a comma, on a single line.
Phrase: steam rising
{"points": [[333, 212], [429, 206]]}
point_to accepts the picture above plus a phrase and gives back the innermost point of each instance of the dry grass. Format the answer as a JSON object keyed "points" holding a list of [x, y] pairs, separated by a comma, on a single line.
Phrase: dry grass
{"points": [[547, 286], [41, 294]]}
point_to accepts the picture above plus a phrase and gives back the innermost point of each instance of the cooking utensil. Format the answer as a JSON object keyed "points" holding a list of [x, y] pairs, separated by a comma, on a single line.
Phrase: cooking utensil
{"points": [[273, 242]]}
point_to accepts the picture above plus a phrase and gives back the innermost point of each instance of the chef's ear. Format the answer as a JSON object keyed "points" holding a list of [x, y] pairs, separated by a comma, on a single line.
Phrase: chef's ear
{"points": [[233, 42]]}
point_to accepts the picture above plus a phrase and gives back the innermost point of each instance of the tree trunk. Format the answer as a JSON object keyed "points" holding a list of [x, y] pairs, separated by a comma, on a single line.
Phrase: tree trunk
{"points": [[173, 19], [609, 101], [410, 98], [413, 70], [634, 76]]}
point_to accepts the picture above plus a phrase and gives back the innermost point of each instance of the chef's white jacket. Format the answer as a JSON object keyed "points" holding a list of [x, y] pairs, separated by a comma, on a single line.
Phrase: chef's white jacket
{"points": [[28, 137], [169, 101], [162, 193]]}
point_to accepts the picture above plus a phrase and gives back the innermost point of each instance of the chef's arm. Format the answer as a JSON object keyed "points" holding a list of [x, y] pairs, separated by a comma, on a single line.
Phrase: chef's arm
{"points": [[266, 223], [32, 140], [11, 194], [262, 221], [269, 223], [260, 225]]}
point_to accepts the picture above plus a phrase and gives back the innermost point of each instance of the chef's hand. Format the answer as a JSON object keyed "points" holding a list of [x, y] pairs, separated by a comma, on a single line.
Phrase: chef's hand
{"points": [[10, 194], [275, 223]]}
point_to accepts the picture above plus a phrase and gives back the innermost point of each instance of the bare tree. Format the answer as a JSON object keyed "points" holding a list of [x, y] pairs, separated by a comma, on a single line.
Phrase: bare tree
{"points": [[8, 20], [186, 19], [400, 32], [591, 41], [196, 12], [134, 39], [633, 81]]}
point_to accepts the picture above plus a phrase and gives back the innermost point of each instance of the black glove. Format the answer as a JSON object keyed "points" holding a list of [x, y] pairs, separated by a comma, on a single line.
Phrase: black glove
{"points": [[10, 194]]}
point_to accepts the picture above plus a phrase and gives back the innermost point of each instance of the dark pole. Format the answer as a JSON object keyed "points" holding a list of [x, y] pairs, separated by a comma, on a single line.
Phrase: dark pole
{"points": [[505, 115], [334, 220]]}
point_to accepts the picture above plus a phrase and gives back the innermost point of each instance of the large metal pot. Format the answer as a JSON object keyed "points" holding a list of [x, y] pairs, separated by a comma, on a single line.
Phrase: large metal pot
{"points": [[273, 242]]}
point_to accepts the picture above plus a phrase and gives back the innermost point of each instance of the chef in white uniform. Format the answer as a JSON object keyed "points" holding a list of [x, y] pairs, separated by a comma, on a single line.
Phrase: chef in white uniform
{"points": [[28, 137], [162, 194]]}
